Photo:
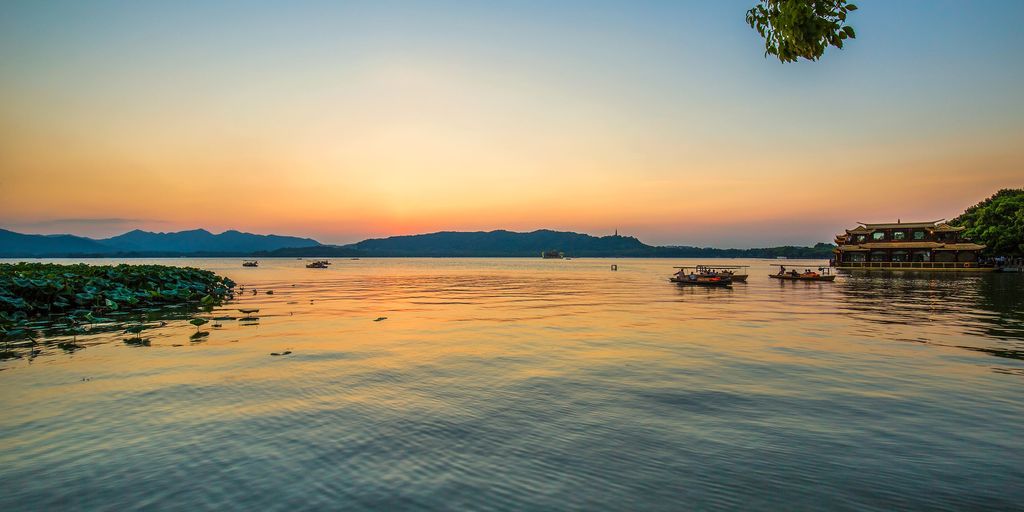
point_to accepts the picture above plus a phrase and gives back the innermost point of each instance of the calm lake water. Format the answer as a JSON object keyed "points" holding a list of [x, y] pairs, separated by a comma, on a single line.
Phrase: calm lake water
{"points": [[528, 384]]}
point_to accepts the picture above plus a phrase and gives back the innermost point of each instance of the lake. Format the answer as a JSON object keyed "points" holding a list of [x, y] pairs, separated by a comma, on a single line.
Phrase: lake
{"points": [[529, 384]]}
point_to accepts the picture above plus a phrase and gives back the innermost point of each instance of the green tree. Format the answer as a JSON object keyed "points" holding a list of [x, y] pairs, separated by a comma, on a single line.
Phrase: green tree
{"points": [[997, 222], [794, 29]]}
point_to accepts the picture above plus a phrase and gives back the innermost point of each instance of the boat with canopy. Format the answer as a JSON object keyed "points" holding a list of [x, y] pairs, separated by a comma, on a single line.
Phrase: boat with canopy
{"points": [[692, 276], [738, 273], [823, 274]]}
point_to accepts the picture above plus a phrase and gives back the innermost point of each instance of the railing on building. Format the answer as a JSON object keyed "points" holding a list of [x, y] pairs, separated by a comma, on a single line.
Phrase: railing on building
{"points": [[912, 264]]}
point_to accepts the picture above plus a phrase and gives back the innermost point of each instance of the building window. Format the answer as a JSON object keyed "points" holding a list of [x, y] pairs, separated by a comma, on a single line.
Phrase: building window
{"points": [[853, 257], [879, 256], [945, 256], [965, 256], [921, 256], [899, 235], [918, 235], [878, 235], [860, 238], [900, 256]]}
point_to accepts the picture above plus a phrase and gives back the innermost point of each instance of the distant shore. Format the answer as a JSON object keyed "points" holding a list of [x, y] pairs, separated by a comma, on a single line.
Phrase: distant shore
{"points": [[445, 244]]}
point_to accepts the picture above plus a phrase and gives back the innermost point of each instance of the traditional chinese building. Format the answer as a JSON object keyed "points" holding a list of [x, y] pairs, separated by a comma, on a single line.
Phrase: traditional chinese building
{"points": [[907, 245]]}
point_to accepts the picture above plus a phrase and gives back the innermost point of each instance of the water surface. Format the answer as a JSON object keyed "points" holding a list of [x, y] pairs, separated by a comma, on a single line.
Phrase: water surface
{"points": [[522, 384]]}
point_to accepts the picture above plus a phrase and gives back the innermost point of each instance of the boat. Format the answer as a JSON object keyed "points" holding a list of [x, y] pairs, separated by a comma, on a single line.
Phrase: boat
{"points": [[695, 278], [913, 246], [250, 263], [823, 274], [738, 273], [318, 264], [552, 255]]}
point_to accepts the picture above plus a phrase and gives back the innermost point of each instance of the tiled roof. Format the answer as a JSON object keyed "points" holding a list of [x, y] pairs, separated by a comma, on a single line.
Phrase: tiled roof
{"points": [[936, 246], [908, 225]]}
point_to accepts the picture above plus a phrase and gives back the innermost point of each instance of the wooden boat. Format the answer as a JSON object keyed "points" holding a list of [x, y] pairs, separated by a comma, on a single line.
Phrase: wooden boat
{"points": [[702, 281], [695, 278], [552, 255], [738, 273], [318, 264], [250, 263], [823, 274]]}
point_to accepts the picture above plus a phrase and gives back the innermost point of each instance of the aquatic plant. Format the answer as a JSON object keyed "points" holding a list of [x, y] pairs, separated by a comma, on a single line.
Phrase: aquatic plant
{"points": [[78, 293], [199, 322], [137, 331]]}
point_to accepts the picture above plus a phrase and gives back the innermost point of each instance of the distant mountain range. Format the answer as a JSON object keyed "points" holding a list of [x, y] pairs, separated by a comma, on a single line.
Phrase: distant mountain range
{"points": [[511, 244], [145, 243], [499, 243]]}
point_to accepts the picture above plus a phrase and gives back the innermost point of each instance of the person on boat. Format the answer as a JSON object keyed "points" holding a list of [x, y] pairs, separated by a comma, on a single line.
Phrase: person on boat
{"points": [[693, 277], [782, 269]]}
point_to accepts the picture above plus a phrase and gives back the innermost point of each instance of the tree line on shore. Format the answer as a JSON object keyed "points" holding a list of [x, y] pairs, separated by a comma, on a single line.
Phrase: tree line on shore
{"points": [[997, 222]]}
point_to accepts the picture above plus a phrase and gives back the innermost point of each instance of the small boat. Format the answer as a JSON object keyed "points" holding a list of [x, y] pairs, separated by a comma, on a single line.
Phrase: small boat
{"points": [[552, 255], [738, 273], [696, 278], [318, 264], [250, 263], [823, 274]]}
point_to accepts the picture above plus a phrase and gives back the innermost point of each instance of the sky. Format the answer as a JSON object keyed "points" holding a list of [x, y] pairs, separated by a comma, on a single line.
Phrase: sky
{"points": [[347, 120]]}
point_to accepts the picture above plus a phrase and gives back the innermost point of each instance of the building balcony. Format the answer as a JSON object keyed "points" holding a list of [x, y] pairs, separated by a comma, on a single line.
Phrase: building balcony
{"points": [[914, 265]]}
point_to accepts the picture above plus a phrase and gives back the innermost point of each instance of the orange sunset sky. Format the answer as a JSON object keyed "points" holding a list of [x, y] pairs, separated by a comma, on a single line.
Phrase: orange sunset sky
{"points": [[342, 121]]}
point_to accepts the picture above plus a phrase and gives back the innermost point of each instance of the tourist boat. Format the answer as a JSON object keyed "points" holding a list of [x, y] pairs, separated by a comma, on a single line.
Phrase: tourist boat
{"points": [[823, 274], [928, 246], [250, 263], [738, 273], [552, 255], [695, 278], [318, 264]]}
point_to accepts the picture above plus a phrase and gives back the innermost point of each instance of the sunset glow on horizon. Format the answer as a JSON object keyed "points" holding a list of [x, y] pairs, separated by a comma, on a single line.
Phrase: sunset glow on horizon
{"points": [[341, 122]]}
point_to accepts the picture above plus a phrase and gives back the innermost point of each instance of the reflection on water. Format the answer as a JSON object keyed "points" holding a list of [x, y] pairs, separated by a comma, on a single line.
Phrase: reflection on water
{"points": [[986, 310], [515, 384]]}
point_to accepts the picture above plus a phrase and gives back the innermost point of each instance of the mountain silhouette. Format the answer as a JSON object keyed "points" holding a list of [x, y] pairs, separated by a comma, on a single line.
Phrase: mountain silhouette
{"points": [[142, 243]]}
